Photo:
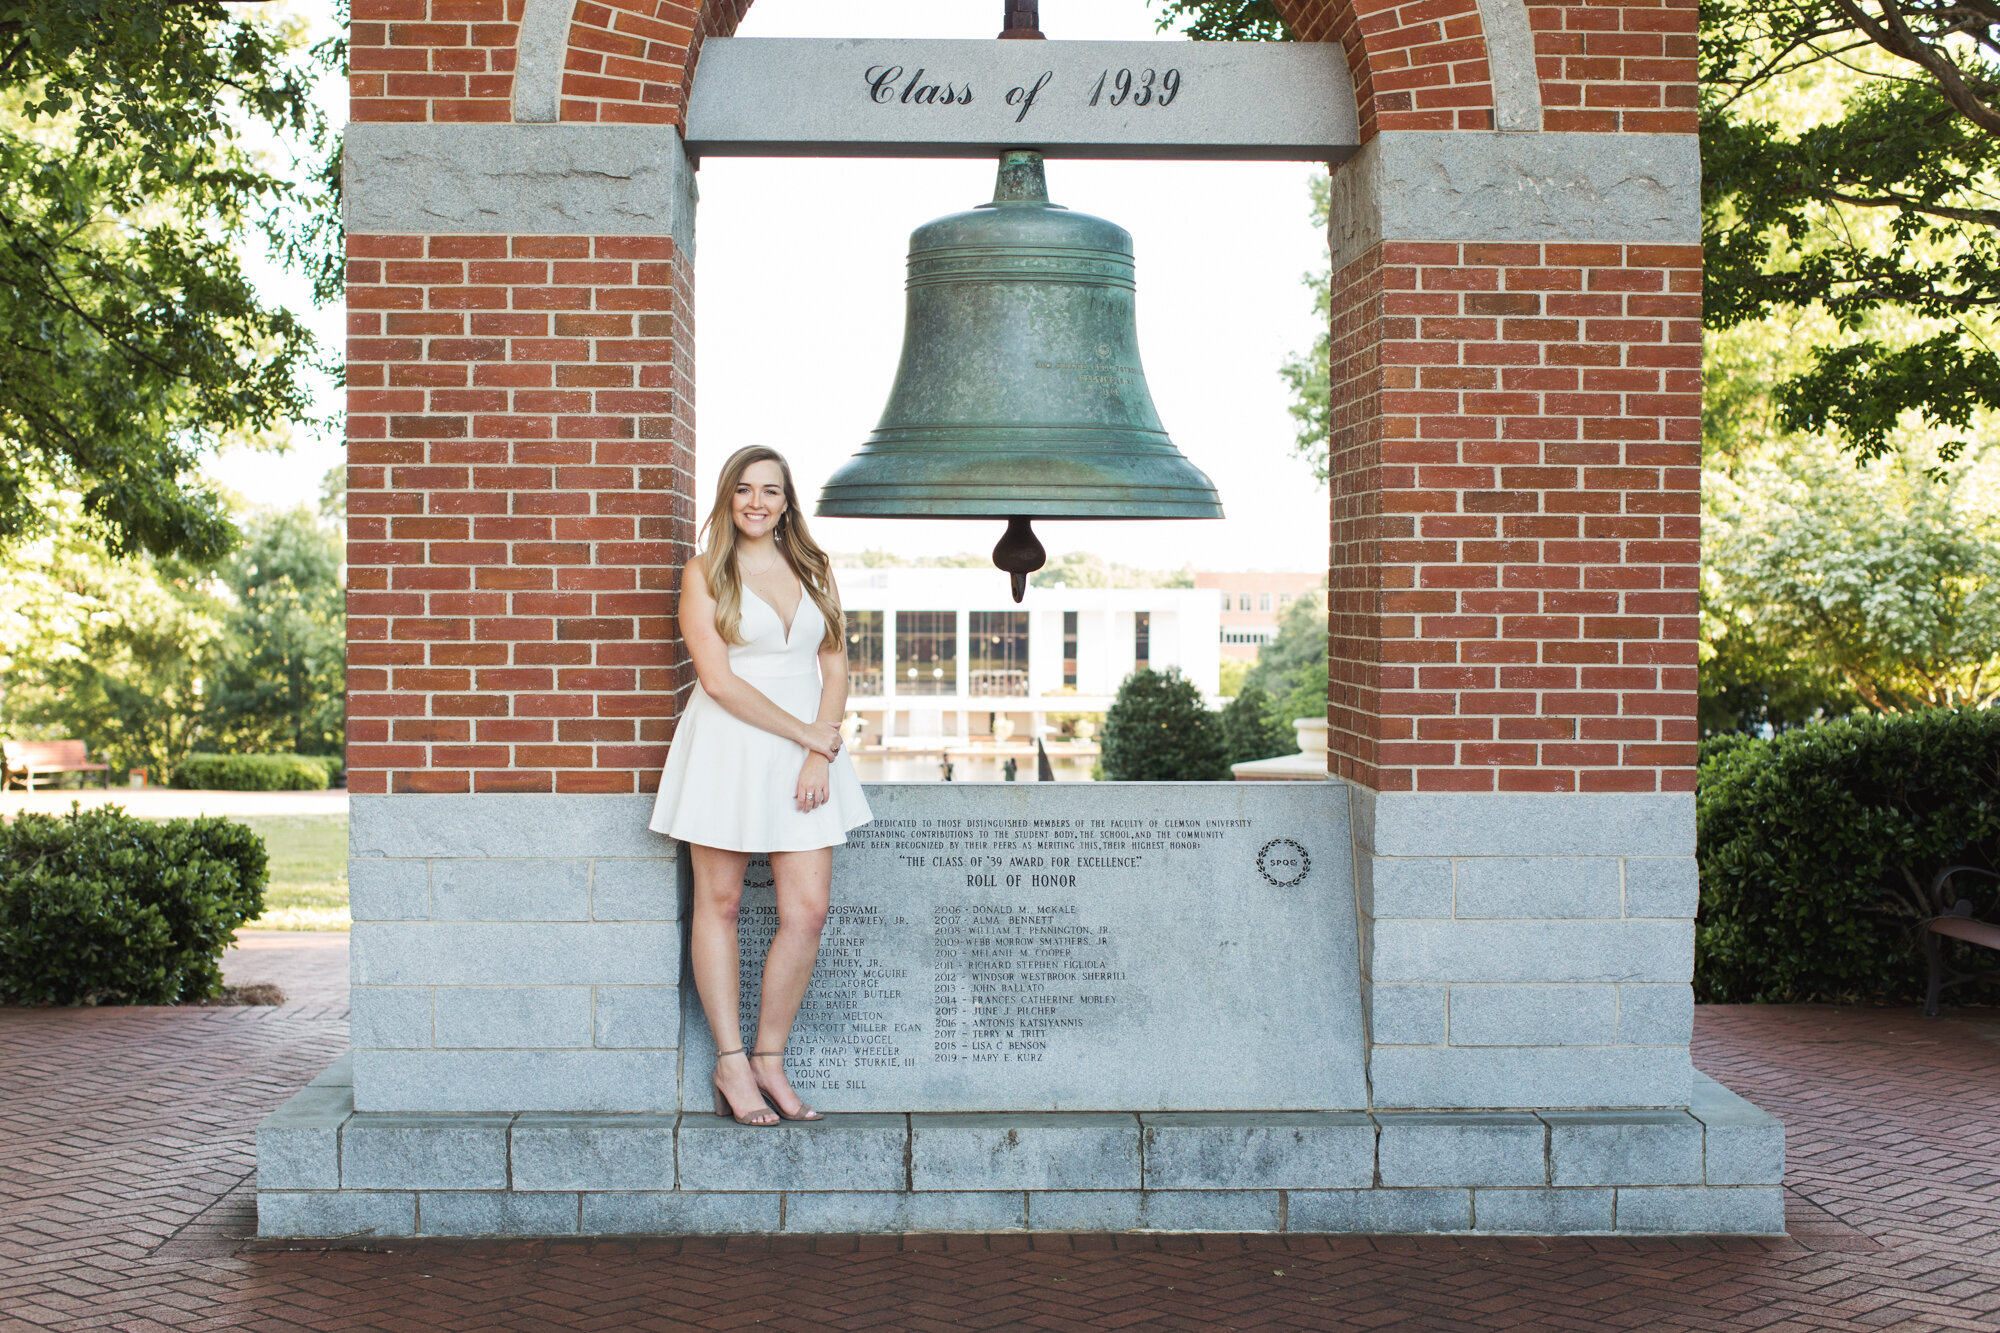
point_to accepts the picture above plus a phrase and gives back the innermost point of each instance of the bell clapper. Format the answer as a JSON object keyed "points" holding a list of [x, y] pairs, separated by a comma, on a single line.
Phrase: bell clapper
{"points": [[1019, 553]]}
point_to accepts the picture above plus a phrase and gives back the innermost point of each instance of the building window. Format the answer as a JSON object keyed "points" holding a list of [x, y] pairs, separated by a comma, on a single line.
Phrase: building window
{"points": [[1243, 601], [1284, 600], [1069, 649], [999, 645], [1263, 601], [864, 652], [927, 652], [1142, 640]]}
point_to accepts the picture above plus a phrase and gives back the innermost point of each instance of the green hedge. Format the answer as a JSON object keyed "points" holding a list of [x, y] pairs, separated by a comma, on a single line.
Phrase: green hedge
{"points": [[1818, 848], [257, 772], [97, 907]]}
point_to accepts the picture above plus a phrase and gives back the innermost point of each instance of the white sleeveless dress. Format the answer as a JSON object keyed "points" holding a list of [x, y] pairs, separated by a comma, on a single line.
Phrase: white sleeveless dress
{"points": [[728, 784]]}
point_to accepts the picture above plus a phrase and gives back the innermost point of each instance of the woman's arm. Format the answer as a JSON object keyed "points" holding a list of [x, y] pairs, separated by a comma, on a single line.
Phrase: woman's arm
{"points": [[738, 697], [833, 678]]}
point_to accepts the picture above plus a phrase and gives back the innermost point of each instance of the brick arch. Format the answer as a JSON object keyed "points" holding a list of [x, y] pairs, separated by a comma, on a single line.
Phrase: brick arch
{"points": [[1417, 64]]}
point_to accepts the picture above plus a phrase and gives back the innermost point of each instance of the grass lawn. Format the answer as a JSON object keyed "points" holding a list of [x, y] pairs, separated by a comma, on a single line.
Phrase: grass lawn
{"points": [[308, 888]]}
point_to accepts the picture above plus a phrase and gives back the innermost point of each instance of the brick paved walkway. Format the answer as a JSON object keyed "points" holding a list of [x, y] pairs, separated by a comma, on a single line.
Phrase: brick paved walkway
{"points": [[111, 1220]]}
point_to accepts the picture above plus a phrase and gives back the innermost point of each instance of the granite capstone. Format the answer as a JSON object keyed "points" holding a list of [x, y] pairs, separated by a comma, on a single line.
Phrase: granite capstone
{"points": [[1624, 1148], [1279, 1150], [1743, 1145], [1444, 1148], [593, 1152], [467, 1152], [844, 1152], [1079, 1151], [298, 1145]]}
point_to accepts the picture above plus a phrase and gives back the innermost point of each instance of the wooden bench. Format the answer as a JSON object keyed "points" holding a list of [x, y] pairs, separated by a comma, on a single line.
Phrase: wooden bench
{"points": [[1957, 924], [27, 760]]}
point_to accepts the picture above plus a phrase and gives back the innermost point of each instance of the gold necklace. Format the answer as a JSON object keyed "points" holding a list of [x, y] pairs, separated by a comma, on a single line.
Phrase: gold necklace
{"points": [[760, 573]]}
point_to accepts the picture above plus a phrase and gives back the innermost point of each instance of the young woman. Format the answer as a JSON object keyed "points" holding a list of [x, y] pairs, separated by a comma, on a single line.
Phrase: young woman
{"points": [[756, 764]]}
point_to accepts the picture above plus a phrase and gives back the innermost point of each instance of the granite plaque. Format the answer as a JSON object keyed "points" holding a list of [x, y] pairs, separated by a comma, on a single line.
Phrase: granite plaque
{"points": [[902, 97], [1075, 947]]}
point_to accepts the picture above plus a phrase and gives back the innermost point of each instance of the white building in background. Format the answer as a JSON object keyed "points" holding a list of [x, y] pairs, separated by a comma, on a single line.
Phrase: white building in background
{"points": [[943, 666]]}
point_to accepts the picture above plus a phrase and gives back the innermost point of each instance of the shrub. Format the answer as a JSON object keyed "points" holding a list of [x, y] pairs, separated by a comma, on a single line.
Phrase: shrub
{"points": [[1159, 730], [1250, 732], [257, 772], [97, 907], [1818, 847]]}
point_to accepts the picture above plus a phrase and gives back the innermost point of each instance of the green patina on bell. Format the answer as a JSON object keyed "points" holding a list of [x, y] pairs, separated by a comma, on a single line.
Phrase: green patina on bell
{"points": [[1020, 393]]}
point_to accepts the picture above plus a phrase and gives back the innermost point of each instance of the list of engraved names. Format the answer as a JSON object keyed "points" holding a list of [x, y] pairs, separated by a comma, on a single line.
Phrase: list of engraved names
{"points": [[1016, 951]]}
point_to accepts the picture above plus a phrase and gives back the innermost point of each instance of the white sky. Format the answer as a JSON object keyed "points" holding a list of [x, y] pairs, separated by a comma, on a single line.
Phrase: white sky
{"points": [[799, 283]]}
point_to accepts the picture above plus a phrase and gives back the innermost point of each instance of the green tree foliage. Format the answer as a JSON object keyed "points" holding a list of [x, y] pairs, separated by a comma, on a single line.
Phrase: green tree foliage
{"points": [[115, 652], [1851, 164], [149, 659], [1881, 585], [282, 677], [1249, 730], [1310, 376], [1291, 669], [97, 907], [1818, 850], [1158, 729], [1224, 20], [131, 342]]}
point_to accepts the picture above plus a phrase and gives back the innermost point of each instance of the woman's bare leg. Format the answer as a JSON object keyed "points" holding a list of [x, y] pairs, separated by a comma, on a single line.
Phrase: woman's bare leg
{"points": [[718, 967], [805, 882]]}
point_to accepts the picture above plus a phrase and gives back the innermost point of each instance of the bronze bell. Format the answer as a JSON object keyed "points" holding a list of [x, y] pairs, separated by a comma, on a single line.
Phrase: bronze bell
{"points": [[1020, 394]]}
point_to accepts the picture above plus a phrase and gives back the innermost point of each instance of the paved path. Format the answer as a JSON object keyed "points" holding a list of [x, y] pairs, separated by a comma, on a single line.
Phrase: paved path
{"points": [[167, 803], [125, 1203]]}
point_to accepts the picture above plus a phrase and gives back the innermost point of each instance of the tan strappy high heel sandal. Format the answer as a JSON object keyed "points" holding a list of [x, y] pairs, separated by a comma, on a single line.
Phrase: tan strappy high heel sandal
{"points": [[805, 1112], [723, 1108]]}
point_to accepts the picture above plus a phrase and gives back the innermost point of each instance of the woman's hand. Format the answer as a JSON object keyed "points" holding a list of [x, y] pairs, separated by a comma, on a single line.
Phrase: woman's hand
{"points": [[814, 780], [822, 738]]}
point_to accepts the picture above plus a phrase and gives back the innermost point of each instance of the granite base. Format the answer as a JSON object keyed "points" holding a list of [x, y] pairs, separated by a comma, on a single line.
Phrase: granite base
{"points": [[1714, 1169]]}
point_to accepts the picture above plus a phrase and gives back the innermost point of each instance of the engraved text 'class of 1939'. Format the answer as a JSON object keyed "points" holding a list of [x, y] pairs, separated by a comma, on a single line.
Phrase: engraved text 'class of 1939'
{"points": [[894, 85]]}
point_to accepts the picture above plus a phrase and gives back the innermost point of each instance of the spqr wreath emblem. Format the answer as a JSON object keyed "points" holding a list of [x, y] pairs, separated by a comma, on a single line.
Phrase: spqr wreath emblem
{"points": [[1283, 862], [758, 874]]}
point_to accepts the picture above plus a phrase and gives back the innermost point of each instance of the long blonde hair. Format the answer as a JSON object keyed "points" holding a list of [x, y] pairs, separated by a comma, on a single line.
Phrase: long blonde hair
{"points": [[795, 544]]}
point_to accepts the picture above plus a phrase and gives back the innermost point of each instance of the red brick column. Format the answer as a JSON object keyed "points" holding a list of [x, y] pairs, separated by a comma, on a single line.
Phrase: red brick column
{"points": [[1516, 460], [520, 457]]}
